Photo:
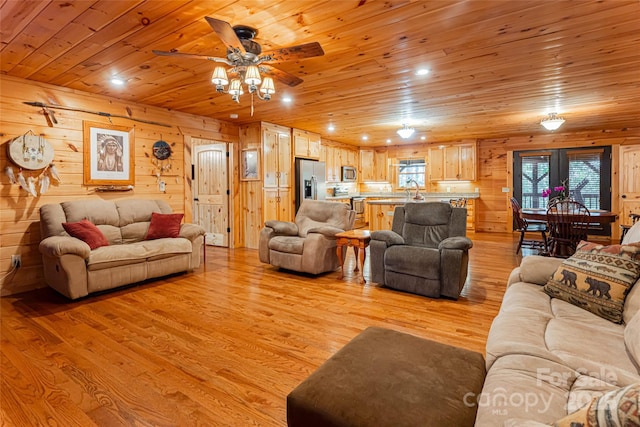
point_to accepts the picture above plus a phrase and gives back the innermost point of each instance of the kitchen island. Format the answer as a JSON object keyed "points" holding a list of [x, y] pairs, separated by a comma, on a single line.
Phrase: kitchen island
{"points": [[380, 211]]}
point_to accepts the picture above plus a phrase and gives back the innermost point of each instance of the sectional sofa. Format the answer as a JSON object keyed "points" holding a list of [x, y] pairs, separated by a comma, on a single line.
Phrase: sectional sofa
{"points": [[547, 357]]}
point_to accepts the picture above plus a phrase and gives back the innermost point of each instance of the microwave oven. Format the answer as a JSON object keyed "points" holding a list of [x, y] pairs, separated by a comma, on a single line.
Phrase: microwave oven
{"points": [[349, 174]]}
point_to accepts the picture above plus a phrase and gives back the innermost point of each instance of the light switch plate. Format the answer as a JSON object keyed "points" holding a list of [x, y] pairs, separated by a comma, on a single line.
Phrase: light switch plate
{"points": [[163, 186], [505, 189]]}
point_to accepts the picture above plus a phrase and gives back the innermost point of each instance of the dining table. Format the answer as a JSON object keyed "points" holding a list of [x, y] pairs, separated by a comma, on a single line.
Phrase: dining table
{"points": [[559, 247], [597, 216]]}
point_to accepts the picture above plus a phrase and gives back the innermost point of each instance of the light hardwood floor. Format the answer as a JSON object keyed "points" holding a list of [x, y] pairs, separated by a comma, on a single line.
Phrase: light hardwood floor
{"points": [[220, 347]]}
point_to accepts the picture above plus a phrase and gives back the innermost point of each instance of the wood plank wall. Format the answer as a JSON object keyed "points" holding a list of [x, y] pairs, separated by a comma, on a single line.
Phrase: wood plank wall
{"points": [[19, 213]]}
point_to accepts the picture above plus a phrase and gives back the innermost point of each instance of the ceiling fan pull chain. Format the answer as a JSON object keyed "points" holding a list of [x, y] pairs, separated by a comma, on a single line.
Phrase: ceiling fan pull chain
{"points": [[252, 105]]}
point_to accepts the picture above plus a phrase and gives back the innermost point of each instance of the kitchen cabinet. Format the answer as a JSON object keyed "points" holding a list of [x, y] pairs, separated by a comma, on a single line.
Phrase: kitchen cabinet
{"points": [[306, 144], [453, 163], [374, 166], [277, 175], [381, 216], [350, 158], [367, 171], [328, 156], [276, 151], [381, 165], [278, 204], [335, 158]]}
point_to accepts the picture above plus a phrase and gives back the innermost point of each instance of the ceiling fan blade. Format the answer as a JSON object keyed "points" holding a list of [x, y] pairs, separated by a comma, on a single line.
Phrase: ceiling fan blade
{"points": [[190, 55], [293, 53], [224, 30], [283, 76]]}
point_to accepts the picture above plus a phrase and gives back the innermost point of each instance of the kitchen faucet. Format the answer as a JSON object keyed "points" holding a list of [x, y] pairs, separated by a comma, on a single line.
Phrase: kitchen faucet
{"points": [[418, 196]]}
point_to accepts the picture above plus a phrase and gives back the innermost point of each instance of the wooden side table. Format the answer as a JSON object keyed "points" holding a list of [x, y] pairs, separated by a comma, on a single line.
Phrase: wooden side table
{"points": [[357, 239]]}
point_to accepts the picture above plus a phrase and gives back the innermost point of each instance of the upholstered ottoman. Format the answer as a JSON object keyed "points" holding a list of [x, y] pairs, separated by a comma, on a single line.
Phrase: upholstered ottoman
{"points": [[386, 378]]}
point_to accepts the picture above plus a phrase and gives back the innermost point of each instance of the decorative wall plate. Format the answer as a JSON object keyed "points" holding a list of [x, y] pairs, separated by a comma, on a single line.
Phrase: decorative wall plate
{"points": [[30, 152]]}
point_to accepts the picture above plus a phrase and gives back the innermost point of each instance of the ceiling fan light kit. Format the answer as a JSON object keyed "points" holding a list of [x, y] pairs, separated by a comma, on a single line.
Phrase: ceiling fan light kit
{"points": [[245, 59], [406, 131], [552, 122]]}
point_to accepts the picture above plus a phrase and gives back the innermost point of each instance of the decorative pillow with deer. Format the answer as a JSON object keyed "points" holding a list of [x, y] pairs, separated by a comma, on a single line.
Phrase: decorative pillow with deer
{"points": [[597, 278]]}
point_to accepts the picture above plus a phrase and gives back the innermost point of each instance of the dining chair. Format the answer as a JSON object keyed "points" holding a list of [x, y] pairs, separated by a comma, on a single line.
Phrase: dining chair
{"points": [[568, 222], [634, 218], [524, 226]]}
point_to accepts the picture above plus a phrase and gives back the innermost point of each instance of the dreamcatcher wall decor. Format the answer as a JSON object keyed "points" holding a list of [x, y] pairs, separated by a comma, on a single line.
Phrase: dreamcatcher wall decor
{"points": [[161, 157], [31, 152]]}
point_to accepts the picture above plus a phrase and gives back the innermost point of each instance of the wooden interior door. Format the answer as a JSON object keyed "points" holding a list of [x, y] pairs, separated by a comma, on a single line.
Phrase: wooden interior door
{"points": [[211, 185], [629, 182]]}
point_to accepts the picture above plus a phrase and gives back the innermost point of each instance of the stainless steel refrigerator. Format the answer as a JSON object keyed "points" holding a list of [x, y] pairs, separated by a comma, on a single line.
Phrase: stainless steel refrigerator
{"points": [[310, 180]]}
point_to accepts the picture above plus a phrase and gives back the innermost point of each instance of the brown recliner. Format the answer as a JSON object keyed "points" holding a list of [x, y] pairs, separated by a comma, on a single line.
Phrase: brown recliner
{"points": [[425, 253], [307, 245]]}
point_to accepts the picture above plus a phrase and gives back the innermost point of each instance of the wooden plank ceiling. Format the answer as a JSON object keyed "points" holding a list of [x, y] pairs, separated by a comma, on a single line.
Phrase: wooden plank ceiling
{"points": [[496, 66]]}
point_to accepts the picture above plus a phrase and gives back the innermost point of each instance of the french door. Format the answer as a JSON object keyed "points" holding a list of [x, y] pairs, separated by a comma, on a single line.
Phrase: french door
{"points": [[586, 171]]}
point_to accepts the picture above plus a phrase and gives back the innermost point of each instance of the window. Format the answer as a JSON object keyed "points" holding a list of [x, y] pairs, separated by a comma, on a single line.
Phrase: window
{"points": [[411, 170], [584, 177], [587, 170], [534, 178]]}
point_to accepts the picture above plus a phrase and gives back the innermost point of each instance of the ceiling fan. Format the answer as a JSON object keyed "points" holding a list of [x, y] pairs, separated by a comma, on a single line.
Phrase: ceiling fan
{"points": [[243, 52]]}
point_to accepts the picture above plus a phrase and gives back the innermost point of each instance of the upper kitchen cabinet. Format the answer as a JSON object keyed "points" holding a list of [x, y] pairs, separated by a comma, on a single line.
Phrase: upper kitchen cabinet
{"points": [[328, 155], [453, 163], [336, 157], [306, 144], [374, 165], [350, 158], [276, 149]]}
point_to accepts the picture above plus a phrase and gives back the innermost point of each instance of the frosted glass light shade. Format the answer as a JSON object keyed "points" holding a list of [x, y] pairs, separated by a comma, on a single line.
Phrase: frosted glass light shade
{"points": [[552, 122], [406, 132]]}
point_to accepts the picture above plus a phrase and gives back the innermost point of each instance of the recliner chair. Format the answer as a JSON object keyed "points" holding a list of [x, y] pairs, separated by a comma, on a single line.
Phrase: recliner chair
{"points": [[425, 253], [307, 245]]}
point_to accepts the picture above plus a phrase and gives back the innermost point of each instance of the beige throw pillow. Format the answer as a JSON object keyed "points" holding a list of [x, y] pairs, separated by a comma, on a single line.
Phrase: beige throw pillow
{"points": [[597, 278]]}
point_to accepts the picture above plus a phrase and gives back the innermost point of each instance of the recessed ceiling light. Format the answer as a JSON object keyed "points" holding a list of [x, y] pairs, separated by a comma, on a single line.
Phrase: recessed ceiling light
{"points": [[331, 128], [423, 72], [423, 137], [233, 116], [365, 137], [117, 81], [286, 99], [388, 141]]}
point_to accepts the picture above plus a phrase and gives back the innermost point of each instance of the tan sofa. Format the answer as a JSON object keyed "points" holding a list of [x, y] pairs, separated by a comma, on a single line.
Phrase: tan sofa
{"points": [[546, 358], [74, 270], [309, 244]]}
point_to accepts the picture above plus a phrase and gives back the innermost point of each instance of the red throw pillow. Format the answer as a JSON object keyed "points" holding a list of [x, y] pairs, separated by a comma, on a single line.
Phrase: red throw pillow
{"points": [[164, 225], [87, 232]]}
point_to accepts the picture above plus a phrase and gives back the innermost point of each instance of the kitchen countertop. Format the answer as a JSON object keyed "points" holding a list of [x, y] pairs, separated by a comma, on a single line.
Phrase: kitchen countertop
{"points": [[401, 198]]}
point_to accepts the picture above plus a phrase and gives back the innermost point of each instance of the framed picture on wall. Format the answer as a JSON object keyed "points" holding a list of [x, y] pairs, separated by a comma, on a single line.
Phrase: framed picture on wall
{"points": [[108, 154], [250, 165]]}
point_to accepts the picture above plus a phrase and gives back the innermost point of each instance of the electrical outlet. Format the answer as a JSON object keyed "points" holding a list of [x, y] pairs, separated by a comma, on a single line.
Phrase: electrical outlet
{"points": [[163, 186], [16, 261]]}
